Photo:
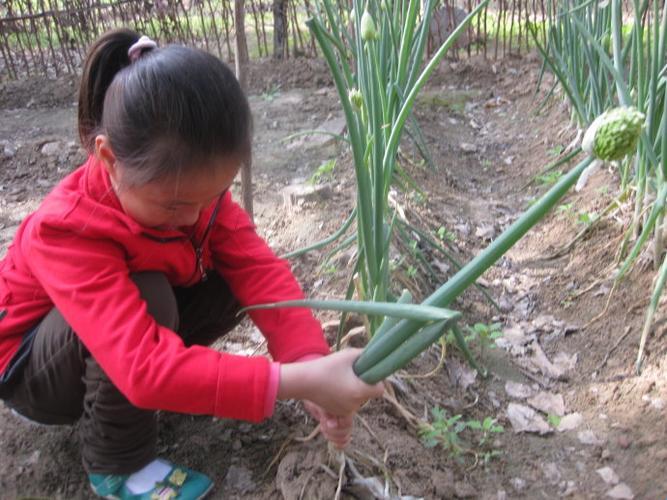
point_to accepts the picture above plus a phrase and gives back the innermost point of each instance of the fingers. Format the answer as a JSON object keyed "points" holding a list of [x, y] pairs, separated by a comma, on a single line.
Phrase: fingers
{"points": [[337, 430], [315, 411]]}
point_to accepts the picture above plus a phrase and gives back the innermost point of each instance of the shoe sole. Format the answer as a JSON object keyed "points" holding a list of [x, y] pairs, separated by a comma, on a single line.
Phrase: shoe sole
{"points": [[114, 497], [210, 488]]}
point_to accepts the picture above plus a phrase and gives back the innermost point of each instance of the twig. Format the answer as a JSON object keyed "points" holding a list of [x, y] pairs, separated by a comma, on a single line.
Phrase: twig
{"points": [[475, 463], [616, 344], [310, 436], [606, 307], [589, 288], [341, 474], [328, 471], [474, 403], [278, 455], [411, 419], [305, 484], [358, 330], [258, 348], [532, 377], [441, 363], [371, 432]]}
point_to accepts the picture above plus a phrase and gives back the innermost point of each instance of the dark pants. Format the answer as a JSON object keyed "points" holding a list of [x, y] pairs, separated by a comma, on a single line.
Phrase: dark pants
{"points": [[62, 383]]}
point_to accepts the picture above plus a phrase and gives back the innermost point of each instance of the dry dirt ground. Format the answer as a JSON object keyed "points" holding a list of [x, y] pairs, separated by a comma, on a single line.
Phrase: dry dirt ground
{"points": [[590, 428]]}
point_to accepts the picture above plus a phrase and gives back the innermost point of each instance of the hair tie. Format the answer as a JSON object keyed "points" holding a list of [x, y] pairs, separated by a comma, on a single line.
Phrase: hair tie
{"points": [[138, 48]]}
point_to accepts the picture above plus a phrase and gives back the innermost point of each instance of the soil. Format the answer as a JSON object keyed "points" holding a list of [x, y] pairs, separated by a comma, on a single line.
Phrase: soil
{"points": [[487, 142]]}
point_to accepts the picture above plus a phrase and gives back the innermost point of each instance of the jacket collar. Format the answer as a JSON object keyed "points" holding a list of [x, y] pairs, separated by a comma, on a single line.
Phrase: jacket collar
{"points": [[98, 187]]}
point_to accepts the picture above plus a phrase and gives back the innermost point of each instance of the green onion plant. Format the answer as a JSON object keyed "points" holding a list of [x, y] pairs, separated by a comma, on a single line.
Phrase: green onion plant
{"points": [[377, 85], [601, 61]]}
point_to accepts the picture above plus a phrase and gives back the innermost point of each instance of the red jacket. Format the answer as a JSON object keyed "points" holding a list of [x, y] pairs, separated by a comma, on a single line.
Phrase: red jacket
{"points": [[76, 253]]}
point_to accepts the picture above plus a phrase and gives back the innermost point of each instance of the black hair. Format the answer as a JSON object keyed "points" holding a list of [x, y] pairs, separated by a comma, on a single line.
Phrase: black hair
{"points": [[174, 108]]}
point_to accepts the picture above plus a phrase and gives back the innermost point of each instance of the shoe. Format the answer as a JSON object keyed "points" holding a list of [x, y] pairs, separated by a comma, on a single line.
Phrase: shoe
{"points": [[179, 483]]}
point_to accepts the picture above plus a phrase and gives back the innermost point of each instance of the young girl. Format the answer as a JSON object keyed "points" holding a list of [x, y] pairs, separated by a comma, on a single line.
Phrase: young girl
{"points": [[138, 260]]}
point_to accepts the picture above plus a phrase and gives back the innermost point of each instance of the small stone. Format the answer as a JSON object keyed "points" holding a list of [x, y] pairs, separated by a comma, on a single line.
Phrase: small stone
{"points": [[605, 455], [525, 419], [518, 484], [551, 472], [297, 194], [8, 152], [518, 391], [658, 403], [566, 362], [505, 304], [237, 445], [624, 442], [51, 148], [661, 454], [460, 374], [238, 479], [468, 148], [570, 422], [33, 458], [621, 491], [608, 475], [549, 403], [485, 232], [494, 399], [568, 488], [589, 437]]}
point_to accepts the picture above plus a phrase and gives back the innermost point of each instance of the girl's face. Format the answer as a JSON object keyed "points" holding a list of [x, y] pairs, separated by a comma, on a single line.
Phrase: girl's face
{"points": [[175, 202]]}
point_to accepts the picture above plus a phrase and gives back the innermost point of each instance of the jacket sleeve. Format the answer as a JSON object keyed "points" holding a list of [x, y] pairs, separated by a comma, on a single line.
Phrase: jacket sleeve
{"points": [[256, 276], [89, 283]]}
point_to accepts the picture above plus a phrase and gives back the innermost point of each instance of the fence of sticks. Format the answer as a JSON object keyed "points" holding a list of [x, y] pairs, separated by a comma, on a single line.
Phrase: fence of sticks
{"points": [[50, 37]]}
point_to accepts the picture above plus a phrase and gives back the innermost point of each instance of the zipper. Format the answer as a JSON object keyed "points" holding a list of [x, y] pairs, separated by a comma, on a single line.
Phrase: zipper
{"points": [[198, 247], [200, 263]]}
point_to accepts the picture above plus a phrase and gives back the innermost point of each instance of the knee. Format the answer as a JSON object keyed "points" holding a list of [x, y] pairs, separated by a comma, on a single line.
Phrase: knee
{"points": [[159, 297]]}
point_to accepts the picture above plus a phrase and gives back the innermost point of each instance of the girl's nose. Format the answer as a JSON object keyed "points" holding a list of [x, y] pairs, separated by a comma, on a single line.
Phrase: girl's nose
{"points": [[189, 217]]}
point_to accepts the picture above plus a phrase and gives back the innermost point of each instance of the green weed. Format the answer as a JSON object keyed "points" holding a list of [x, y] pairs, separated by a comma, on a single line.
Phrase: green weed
{"points": [[323, 173]]}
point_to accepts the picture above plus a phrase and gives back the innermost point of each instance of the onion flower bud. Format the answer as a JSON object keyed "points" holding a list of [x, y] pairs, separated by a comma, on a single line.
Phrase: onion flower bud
{"points": [[356, 99], [368, 31], [614, 134]]}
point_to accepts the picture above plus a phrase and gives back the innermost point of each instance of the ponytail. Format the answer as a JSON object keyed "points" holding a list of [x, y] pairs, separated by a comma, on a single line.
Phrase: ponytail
{"points": [[107, 56], [171, 109]]}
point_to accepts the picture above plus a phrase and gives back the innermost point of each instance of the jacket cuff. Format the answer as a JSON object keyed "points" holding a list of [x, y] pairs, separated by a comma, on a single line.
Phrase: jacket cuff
{"points": [[242, 387]]}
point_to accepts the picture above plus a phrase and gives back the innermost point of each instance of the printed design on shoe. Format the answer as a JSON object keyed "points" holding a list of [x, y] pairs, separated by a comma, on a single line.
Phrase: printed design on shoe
{"points": [[170, 489], [178, 477], [164, 493]]}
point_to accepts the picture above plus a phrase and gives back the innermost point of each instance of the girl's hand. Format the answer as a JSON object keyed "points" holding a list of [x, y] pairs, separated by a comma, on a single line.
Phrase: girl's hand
{"points": [[336, 430], [329, 382]]}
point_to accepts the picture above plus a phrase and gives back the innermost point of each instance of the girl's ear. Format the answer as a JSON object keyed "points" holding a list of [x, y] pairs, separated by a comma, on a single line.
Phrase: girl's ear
{"points": [[105, 155]]}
